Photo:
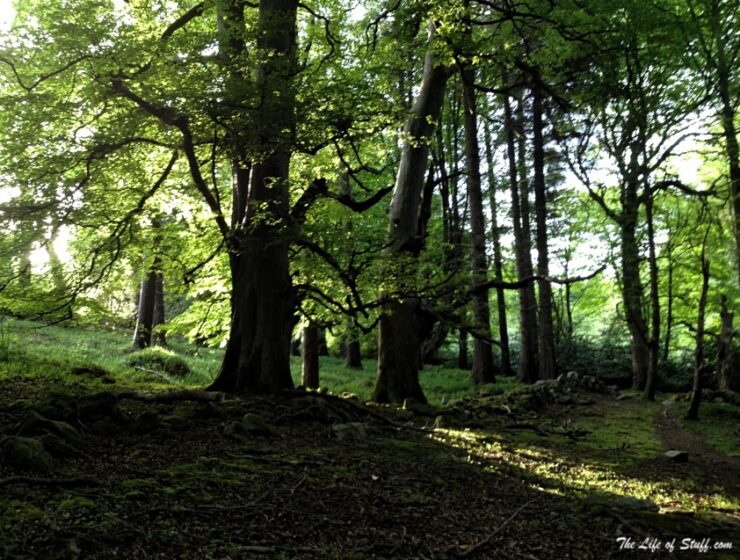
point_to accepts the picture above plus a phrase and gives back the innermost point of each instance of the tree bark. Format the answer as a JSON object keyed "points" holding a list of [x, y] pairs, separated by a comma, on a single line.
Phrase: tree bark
{"points": [[546, 347], [145, 312], [693, 412], [310, 356], [654, 342], [527, 366], [727, 115], [669, 298], [727, 376], [632, 289], [257, 356], [498, 266], [483, 370], [399, 344], [158, 315]]}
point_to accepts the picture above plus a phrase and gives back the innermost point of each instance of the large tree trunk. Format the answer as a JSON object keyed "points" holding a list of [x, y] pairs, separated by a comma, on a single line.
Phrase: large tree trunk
{"points": [[498, 266], [546, 354], [654, 343], [399, 344], [527, 367], [727, 115], [257, 356], [693, 412], [310, 355], [145, 312], [483, 368], [727, 376]]}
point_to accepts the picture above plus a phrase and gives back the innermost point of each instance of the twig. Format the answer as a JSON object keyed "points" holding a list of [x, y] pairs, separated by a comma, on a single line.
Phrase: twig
{"points": [[470, 551]]}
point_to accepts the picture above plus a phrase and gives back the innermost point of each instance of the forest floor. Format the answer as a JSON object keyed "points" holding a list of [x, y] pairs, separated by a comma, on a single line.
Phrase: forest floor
{"points": [[94, 469]]}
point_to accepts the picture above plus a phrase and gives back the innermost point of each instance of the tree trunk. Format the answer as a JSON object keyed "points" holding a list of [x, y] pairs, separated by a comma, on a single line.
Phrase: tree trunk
{"points": [[352, 353], [399, 344], [483, 370], [158, 318], [527, 367], [546, 354], [310, 356], [728, 123], [498, 266], [669, 298], [693, 412], [257, 356], [462, 350], [632, 293], [145, 312], [654, 343], [727, 376]]}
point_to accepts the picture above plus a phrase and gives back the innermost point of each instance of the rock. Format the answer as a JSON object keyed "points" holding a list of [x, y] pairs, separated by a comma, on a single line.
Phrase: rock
{"points": [[351, 431], [564, 399], [549, 383], [256, 425], [27, 454], [572, 376], [186, 410], [678, 456]]}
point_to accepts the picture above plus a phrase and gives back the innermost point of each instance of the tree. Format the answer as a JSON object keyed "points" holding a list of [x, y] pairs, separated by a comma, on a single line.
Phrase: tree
{"points": [[399, 345]]}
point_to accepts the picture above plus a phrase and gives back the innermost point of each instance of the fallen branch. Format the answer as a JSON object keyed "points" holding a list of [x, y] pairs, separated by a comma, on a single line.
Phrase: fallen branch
{"points": [[470, 551]]}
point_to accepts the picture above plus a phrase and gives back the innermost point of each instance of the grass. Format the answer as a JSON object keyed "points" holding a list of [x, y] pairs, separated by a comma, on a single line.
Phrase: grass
{"points": [[35, 349], [719, 425]]}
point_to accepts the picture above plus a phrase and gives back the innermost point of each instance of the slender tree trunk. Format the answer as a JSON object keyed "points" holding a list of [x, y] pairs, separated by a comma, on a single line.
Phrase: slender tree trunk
{"points": [[498, 266], [654, 342], [399, 344], [546, 346], [727, 376], [462, 350], [483, 368], [257, 356], [527, 367], [669, 297], [158, 318], [145, 312], [693, 412], [310, 356]]}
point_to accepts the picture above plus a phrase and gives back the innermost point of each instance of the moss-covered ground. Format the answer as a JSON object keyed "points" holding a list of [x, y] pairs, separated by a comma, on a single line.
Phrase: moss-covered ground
{"points": [[131, 473]]}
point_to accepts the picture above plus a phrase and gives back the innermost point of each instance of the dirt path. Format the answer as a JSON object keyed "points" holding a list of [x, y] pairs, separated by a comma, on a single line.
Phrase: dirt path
{"points": [[705, 461]]}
